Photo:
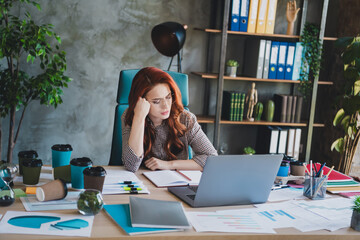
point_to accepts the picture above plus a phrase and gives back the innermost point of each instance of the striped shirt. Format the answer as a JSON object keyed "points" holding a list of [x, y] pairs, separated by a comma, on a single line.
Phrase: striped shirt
{"points": [[194, 137]]}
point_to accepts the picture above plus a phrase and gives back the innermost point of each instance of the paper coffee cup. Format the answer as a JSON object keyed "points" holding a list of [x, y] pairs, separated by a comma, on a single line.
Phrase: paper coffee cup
{"points": [[53, 190]]}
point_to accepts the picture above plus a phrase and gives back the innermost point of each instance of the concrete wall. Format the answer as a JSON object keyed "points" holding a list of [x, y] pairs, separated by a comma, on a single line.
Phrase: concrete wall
{"points": [[102, 37]]}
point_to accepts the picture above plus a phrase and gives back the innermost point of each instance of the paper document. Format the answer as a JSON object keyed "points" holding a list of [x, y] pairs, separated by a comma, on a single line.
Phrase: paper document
{"points": [[32, 204], [167, 178], [41, 223], [229, 222]]}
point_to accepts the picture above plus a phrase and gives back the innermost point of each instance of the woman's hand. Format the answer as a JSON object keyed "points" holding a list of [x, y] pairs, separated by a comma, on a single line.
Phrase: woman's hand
{"points": [[155, 163], [142, 108]]}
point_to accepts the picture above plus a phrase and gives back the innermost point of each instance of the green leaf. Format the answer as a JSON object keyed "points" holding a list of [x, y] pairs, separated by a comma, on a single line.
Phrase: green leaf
{"points": [[339, 115], [357, 87], [345, 122], [29, 57], [338, 145]]}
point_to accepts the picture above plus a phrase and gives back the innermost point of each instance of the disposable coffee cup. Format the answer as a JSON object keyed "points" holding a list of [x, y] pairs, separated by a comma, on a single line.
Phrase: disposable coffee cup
{"points": [[30, 154], [77, 167], [94, 178], [283, 170], [61, 155], [297, 168], [53, 190], [31, 171], [63, 173]]}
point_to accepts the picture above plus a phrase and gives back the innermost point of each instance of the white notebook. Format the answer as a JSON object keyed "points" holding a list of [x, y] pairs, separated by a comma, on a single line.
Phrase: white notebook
{"points": [[157, 213], [168, 178]]}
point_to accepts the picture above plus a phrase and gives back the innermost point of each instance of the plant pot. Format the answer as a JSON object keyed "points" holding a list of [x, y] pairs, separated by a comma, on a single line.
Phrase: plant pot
{"points": [[355, 221], [231, 71]]}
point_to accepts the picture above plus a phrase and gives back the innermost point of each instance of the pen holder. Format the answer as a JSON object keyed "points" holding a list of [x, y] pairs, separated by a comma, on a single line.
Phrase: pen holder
{"points": [[315, 187]]}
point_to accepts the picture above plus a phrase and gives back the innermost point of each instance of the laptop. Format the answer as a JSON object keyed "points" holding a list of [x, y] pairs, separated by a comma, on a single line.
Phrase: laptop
{"points": [[232, 180]]}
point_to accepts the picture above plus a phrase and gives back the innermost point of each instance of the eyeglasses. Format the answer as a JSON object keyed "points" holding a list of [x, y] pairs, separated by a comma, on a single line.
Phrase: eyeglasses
{"points": [[157, 101]]}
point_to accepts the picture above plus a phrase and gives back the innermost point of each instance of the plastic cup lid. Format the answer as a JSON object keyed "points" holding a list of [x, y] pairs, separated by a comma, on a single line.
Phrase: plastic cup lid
{"points": [[82, 162], [95, 171], [28, 154], [62, 147], [297, 163], [32, 163]]}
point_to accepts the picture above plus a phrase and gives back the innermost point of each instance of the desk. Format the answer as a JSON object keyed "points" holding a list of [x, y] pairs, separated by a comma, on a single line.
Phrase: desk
{"points": [[105, 228]]}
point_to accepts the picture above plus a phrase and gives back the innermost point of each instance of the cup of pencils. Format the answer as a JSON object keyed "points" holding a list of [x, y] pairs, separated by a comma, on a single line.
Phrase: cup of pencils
{"points": [[315, 187]]}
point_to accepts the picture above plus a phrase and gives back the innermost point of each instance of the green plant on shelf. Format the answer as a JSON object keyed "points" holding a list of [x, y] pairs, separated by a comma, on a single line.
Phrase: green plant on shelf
{"points": [[232, 63], [249, 150], [311, 59]]}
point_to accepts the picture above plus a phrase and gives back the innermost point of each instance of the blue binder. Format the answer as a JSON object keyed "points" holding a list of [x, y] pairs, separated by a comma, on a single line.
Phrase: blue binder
{"points": [[244, 15], [235, 16], [280, 73], [297, 61], [273, 59], [290, 61]]}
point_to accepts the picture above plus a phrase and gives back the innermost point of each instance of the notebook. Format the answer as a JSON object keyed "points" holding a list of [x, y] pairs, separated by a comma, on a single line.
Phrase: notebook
{"points": [[232, 180], [168, 178], [151, 213]]}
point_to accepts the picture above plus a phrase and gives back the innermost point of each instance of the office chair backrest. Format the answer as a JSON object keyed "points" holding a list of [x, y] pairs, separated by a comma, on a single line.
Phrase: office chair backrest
{"points": [[125, 81]]}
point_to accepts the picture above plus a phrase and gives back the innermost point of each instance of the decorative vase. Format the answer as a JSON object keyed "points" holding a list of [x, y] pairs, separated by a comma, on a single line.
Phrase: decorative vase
{"points": [[231, 71], [269, 111], [258, 111], [355, 220], [90, 202]]}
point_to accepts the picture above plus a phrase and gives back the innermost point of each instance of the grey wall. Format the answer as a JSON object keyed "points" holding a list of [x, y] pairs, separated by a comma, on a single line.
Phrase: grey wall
{"points": [[102, 37]]}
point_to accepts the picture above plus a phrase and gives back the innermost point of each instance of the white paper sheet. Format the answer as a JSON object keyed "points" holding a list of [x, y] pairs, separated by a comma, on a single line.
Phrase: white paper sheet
{"points": [[69, 202], [46, 228], [217, 222]]}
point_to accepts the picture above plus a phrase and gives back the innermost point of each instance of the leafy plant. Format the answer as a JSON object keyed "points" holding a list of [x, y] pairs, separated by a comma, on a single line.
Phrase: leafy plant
{"points": [[25, 43], [356, 206], [249, 150], [232, 63], [311, 59], [348, 116]]}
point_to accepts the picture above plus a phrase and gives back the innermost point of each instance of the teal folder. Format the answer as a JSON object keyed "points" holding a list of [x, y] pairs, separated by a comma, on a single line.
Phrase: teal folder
{"points": [[120, 213]]}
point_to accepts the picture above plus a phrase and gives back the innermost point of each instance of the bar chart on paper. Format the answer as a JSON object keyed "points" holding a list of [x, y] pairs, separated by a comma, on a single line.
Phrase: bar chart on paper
{"points": [[275, 215], [215, 222]]}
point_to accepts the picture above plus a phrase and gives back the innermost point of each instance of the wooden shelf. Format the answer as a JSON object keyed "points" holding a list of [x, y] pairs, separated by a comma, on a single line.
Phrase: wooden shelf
{"points": [[215, 76], [211, 119], [209, 30]]}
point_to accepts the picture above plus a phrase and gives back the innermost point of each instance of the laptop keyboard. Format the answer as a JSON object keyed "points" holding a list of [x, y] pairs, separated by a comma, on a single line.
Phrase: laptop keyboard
{"points": [[194, 188]]}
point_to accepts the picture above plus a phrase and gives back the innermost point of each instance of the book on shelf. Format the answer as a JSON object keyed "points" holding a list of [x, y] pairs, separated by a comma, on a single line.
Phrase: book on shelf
{"points": [[261, 17], [280, 101], [298, 111], [280, 73], [120, 213], [254, 54], [229, 105], [289, 108], [157, 213], [244, 15], [293, 109], [253, 12], [267, 140], [168, 178], [234, 23], [242, 106], [270, 18], [236, 107]]}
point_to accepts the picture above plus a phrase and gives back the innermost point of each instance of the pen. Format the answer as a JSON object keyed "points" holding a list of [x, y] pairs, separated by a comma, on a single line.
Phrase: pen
{"points": [[128, 182], [319, 172], [307, 169], [276, 187], [132, 188]]}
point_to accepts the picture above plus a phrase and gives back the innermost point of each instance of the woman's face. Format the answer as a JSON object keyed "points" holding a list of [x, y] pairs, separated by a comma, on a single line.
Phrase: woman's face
{"points": [[160, 99]]}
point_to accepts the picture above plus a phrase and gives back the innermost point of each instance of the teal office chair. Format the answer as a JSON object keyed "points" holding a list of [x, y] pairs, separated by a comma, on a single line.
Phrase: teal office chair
{"points": [[125, 80]]}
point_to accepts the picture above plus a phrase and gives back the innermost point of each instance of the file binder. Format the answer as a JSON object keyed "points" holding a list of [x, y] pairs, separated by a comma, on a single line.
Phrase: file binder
{"points": [[273, 59], [297, 61], [297, 143], [271, 14], [267, 140], [244, 15], [280, 73], [253, 10], [235, 16], [290, 142], [262, 15], [290, 61], [282, 140], [267, 59], [255, 53]]}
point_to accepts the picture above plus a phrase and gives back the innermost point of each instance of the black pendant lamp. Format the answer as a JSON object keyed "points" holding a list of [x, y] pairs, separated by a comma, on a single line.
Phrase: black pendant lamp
{"points": [[169, 38]]}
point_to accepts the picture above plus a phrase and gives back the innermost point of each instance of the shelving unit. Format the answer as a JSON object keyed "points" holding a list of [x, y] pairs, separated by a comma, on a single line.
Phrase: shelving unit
{"points": [[220, 76]]}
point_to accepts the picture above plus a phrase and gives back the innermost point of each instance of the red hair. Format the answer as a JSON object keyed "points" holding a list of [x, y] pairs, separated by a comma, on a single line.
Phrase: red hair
{"points": [[143, 82]]}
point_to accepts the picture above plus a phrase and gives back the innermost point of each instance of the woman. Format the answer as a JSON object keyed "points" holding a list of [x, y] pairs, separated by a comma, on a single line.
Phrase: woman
{"points": [[157, 130]]}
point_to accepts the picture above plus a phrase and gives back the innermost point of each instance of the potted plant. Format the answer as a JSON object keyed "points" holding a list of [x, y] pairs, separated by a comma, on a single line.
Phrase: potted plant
{"points": [[231, 67], [26, 46], [355, 218], [311, 59], [249, 150], [348, 116]]}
